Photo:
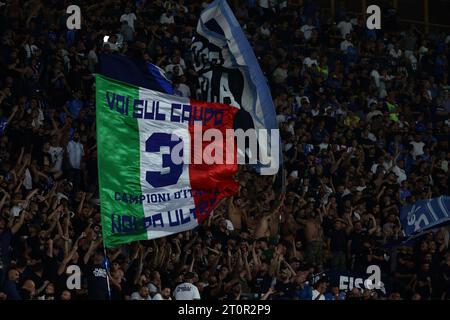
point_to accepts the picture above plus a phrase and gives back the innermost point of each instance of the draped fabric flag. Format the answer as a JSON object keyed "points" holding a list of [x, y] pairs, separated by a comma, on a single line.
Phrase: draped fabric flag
{"points": [[346, 281], [425, 214], [144, 192], [133, 71], [229, 72]]}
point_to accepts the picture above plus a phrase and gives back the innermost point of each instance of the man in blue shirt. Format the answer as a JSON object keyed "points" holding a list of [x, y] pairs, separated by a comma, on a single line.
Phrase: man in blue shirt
{"points": [[10, 285], [75, 105], [304, 290]]}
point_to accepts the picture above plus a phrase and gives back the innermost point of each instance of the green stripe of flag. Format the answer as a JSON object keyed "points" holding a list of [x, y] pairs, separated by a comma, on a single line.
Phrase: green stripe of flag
{"points": [[118, 159]]}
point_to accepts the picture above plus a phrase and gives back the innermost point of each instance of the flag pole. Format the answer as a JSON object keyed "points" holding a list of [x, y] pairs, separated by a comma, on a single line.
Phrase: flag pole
{"points": [[107, 272]]}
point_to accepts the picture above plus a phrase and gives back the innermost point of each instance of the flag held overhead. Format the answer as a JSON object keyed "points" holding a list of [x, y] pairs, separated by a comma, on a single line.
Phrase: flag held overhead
{"points": [[136, 72], [229, 73], [144, 193]]}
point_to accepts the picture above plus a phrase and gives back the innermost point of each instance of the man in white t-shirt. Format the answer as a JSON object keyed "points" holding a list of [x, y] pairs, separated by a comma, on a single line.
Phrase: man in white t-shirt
{"points": [[186, 290], [375, 76], [182, 88], [281, 73], [395, 51], [378, 165], [307, 29], [345, 27], [164, 295], [374, 112], [175, 68], [346, 44], [319, 290], [142, 294], [264, 4], [399, 171], [264, 30], [310, 61], [129, 17], [57, 154], [92, 59], [30, 48], [75, 151], [417, 147], [166, 18]]}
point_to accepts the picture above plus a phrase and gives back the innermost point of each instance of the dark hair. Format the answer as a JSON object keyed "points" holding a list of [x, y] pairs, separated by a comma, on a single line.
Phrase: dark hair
{"points": [[37, 267], [189, 276]]}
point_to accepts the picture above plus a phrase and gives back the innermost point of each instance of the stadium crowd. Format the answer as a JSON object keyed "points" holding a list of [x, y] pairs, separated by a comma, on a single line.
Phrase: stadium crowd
{"points": [[364, 121]]}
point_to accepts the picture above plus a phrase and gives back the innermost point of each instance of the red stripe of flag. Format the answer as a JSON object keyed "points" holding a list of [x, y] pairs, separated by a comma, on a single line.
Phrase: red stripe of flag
{"points": [[211, 183]]}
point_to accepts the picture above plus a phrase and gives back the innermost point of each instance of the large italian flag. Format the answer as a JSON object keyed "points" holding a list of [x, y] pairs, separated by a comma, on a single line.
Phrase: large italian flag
{"points": [[144, 194]]}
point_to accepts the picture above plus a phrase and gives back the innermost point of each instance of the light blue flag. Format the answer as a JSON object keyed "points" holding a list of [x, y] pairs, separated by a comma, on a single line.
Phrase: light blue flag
{"points": [[229, 73], [424, 215]]}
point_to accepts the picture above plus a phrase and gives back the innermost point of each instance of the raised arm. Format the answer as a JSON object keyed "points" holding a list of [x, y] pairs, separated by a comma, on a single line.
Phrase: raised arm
{"points": [[31, 194], [92, 247], [13, 113], [2, 202], [69, 256], [141, 256], [380, 193], [255, 257], [374, 222], [16, 227], [215, 263], [177, 251], [50, 248], [19, 160], [247, 266], [80, 206], [191, 266], [268, 293], [336, 165]]}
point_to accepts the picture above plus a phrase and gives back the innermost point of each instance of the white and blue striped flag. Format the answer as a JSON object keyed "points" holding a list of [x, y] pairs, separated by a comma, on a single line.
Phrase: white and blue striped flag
{"points": [[229, 73]]}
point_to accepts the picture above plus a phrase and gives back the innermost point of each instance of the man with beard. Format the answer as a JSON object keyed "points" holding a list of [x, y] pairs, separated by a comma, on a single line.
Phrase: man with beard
{"points": [[164, 295], [285, 289]]}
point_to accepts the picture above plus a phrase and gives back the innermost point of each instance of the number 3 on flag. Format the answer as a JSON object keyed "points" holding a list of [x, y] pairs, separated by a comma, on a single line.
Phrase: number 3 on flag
{"points": [[155, 143]]}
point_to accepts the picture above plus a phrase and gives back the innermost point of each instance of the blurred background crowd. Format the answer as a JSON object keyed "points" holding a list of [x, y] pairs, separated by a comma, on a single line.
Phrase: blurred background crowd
{"points": [[364, 122]]}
